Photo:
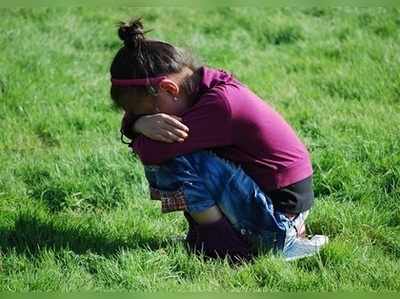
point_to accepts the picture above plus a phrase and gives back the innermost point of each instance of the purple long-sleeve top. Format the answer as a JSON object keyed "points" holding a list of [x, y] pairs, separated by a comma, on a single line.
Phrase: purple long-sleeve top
{"points": [[237, 125]]}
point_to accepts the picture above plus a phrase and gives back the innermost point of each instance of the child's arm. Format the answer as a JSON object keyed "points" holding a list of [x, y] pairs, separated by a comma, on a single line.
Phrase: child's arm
{"points": [[162, 127], [210, 126], [159, 127], [128, 120]]}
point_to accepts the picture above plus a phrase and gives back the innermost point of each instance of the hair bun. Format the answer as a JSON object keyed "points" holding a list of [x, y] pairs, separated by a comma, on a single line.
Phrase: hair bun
{"points": [[131, 32]]}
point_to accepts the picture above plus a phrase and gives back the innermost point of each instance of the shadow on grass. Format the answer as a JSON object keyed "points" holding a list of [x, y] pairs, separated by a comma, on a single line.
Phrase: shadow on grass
{"points": [[31, 235]]}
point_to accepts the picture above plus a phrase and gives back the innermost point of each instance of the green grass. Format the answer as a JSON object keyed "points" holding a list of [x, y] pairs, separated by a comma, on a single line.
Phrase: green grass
{"points": [[75, 213]]}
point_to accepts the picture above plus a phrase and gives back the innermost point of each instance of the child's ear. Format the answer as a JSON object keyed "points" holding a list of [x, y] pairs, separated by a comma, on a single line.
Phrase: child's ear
{"points": [[169, 86]]}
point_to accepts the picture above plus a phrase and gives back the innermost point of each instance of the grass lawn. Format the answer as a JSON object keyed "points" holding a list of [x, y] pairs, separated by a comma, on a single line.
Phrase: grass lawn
{"points": [[75, 212]]}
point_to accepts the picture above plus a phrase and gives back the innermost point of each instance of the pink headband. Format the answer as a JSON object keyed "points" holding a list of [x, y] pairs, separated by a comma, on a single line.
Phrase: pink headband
{"points": [[137, 82]]}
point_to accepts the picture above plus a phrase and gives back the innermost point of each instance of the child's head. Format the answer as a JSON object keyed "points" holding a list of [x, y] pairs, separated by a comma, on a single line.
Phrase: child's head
{"points": [[142, 58]]}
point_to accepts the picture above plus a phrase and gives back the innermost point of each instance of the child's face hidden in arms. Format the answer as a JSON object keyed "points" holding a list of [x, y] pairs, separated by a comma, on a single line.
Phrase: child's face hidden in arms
{"points": [[169, 99]]}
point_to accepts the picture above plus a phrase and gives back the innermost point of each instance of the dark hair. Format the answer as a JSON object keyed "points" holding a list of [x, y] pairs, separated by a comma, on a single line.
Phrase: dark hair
{"points": [[143, 58]]}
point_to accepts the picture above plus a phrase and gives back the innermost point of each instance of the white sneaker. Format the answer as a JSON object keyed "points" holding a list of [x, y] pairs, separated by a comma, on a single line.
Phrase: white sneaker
{"points": [[303, 247]]}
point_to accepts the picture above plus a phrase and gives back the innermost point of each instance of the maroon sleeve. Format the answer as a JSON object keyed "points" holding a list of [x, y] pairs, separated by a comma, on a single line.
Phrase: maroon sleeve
{"points": [[127, 123], [209, 122]]}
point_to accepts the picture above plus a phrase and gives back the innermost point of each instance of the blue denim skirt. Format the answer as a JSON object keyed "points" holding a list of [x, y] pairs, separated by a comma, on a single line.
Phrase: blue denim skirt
{"points": [[202, 179]]}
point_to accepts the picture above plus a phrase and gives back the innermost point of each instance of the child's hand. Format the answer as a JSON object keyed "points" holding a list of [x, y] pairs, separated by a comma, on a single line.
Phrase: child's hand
{"points": [[162, 127]]}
